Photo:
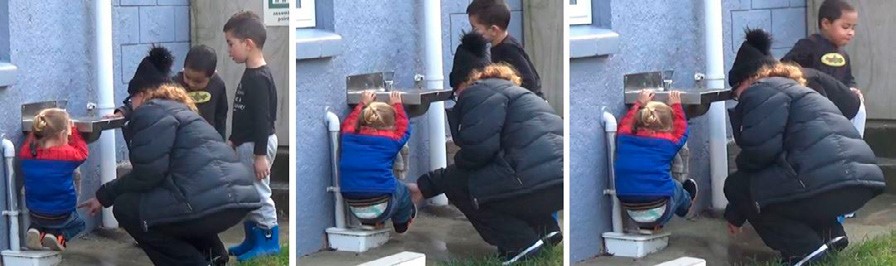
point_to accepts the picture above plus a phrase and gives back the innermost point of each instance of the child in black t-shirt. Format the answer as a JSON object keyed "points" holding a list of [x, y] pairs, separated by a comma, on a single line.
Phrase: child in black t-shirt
{"points": [[205, 86]]}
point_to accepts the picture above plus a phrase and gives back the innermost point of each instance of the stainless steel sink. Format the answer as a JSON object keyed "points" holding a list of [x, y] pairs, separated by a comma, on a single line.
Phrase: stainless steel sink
{"points": [[90, 127], [416, 101], [694, 101]]}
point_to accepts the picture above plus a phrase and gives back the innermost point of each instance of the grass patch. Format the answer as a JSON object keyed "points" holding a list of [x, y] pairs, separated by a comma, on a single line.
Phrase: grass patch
{"points": [[879, 250], [551, 256], [278, 260]]}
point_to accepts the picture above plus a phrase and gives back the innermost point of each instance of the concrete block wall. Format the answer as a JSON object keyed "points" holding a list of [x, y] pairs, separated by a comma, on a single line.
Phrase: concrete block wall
{"points": [[140, 24]]}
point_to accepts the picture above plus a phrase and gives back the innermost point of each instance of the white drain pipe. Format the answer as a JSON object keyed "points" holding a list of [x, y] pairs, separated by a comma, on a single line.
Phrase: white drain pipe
{"points": [[715, 80], [12, 211], [106, 94], [609, 124], [435, 80], [333, 130]]}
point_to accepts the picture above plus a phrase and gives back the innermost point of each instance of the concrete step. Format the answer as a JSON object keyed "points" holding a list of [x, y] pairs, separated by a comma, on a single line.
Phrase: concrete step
{"points": [[280, 168], [888, 165], [879, 135], [280, 195]]}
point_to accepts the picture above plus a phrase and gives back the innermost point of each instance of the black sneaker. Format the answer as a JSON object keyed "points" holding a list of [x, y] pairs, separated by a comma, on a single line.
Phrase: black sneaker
{"points": [[690, 186], [552, 238], [403, 227], [838, 243], [508, 258], [814, 257]]}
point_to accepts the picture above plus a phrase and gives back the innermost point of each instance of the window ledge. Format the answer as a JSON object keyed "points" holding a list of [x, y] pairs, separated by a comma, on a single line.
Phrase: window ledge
{"points": [[317, 43], [589, 41], [8, 74]]}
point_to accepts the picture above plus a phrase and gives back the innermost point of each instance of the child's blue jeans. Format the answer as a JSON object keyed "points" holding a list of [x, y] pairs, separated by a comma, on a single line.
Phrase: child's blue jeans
{"points": [[68, 227], [403, 208]]}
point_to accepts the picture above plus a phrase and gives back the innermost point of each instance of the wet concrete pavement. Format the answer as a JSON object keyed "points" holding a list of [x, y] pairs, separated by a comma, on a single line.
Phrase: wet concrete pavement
{"points": [[707, 238], [442, 233], [115, 247]]}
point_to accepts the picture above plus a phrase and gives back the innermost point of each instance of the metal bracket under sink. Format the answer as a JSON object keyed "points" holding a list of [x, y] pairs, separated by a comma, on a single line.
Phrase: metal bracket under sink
{"points": [[90, 127], [416, 102]]}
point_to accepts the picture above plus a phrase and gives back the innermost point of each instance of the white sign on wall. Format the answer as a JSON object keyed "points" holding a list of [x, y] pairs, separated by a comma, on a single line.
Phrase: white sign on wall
{"points": [[276, 12]]}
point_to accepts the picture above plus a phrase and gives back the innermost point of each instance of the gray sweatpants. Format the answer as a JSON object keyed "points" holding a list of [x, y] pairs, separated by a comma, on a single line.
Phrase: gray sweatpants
{"points": [[266, 216]]}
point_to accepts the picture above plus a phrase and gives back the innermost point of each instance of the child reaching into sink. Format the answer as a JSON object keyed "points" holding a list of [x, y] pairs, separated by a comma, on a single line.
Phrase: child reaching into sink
{"points": [[649, 137], [49, 156], [372, 135]]}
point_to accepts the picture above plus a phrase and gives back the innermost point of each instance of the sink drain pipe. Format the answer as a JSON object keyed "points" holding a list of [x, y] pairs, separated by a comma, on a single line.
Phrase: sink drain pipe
{"points": [[12, 209], [333, 131], [715, 80], [609, 124], [105, 92], [435, 80]]}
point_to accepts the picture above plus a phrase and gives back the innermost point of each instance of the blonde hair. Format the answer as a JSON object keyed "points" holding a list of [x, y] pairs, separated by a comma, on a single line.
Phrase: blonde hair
{"points": [[655, 116], [49, 123], [171, 92], [378, 115], [784, 70], [499, 71]]}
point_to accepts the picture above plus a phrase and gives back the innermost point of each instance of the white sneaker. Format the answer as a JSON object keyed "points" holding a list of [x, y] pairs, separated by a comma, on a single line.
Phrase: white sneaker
{"points": [[32, 239]]}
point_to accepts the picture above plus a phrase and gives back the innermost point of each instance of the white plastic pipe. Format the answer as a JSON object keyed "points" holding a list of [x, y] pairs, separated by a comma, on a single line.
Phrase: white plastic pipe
{"points": [[715, 79], [333, 130], [435, 80], [610, 129], [9, 153], [106, 95]]}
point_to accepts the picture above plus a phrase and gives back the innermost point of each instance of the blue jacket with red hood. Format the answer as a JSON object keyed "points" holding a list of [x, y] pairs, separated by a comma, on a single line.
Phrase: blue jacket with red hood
{"points": [[368, 154], [49, 175], [644, 157]]}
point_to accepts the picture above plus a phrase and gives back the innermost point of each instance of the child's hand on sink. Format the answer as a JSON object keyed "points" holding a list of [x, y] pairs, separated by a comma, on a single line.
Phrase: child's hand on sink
{"points": [[367, 97], [674, 97], [394, 97]]}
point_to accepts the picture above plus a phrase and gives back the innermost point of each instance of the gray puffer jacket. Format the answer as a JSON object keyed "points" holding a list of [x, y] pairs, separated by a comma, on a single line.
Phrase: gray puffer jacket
{"points": [[796, 144], [182, 169], [511, 141]]}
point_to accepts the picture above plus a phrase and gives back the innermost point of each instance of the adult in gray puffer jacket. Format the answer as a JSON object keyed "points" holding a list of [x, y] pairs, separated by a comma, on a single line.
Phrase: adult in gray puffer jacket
{"points": [[186, 185], [802, 163], [507, 177]]}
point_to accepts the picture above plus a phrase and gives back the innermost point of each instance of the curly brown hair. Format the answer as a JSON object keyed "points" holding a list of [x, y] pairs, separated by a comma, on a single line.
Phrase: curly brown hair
{"points": [[172, 92], [784, 70], [498, 71]]}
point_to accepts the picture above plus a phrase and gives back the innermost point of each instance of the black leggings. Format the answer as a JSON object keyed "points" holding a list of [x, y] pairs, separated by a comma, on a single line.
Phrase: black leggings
{"points": [[192, 242]]}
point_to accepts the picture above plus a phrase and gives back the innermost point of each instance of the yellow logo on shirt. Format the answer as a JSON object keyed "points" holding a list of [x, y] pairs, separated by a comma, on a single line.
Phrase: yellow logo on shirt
{"points": [[200, 96], [833, 59]]}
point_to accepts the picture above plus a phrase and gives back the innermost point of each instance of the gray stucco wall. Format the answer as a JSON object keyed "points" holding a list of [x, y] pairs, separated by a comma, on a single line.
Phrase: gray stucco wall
{"points": [[51, 43], [654, 35], [376, 37]]}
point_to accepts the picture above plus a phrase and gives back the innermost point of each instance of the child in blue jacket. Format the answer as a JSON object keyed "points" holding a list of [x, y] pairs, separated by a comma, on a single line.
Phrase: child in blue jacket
{"points": [[372, 135], [50, 155], [649, 136]]}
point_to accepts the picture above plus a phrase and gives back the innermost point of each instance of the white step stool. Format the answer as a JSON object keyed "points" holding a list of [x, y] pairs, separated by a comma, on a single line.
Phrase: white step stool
{"points": [[31, 258]]}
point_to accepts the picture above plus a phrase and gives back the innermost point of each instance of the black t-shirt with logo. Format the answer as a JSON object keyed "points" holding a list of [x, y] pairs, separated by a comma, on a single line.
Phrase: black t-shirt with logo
{"points": [[819, 53], [254, 109], [211, 101]]}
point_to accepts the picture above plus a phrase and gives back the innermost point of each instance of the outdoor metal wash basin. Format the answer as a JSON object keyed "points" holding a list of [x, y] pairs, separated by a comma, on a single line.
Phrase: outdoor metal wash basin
{"points": [[90, 127], [416, 101], [695, 102]]}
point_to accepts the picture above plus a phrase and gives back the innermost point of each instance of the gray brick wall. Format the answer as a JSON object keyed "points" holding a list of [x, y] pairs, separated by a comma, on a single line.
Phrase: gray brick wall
{"points": [[143, 23], [786, 20]]}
